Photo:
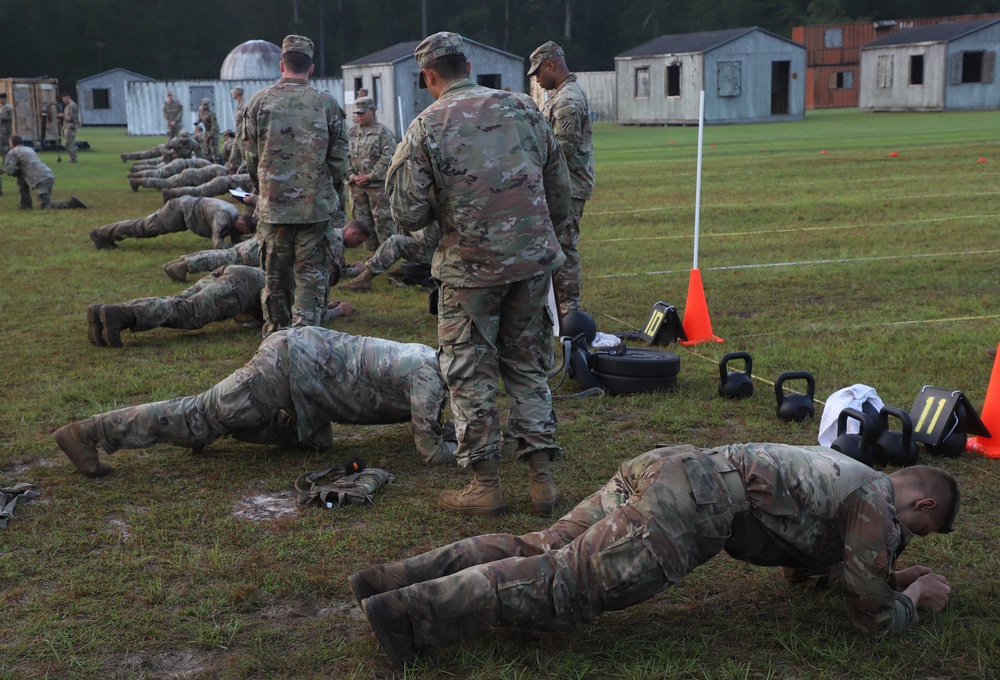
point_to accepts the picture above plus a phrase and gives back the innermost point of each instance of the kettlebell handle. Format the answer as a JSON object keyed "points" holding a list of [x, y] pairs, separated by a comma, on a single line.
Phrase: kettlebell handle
{"points": [[779, 393], [864, 424], [905, 424], [733, 356]]}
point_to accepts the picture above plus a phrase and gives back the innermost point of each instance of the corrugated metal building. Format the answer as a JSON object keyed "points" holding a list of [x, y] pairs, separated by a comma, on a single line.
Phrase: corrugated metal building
{"points": [[36, 103], [102, 96], [600, 89], [391, 78], [947, 67], [833, 55], [145, 100], [749, 75]]}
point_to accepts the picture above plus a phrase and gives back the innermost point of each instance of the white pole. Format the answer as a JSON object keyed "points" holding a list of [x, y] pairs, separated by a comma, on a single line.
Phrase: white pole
{"points": [[697, 191], [399, 114]]}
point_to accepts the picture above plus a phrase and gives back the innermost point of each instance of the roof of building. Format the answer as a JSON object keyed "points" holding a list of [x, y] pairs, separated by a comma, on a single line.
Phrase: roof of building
{"points": [[137, 76], [687, 43], [404, 50], [945, 32]]}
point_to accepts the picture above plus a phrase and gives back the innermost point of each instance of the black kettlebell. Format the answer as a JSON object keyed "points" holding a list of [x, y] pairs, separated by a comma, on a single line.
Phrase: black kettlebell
{"points": [[895, 447], [795, 407], [738, 384], [857, 446], [954, 442]]}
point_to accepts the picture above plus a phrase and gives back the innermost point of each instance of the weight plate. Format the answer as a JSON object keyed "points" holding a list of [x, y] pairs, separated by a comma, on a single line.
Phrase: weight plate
{"points": [[619, 384], [638, 363]]}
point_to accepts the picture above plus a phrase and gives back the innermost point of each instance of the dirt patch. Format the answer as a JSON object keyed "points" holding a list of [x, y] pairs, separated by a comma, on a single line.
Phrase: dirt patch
{"points": [[177, 665], [263, 507]]}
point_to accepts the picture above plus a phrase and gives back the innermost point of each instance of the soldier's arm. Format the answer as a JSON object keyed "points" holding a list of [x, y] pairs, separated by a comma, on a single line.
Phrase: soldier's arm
{"points": [[386, 147], [250, 150], [568, 126], [558, 192], [427, 399], [339, 150], [409, 183]]}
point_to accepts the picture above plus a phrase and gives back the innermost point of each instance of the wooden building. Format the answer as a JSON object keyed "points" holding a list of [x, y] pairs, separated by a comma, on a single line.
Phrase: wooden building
{"points": [[748, 74], [945, 67], [36, 105], [599, 86], [102, 96], [833, 55], [391, 78]]}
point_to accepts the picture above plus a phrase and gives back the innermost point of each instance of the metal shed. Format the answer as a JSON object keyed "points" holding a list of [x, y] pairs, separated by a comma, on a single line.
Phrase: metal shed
{"points": [[391, 76], [599, 87], [947, 67], [36, 103], [145, 100], [749, 75], [102, 97]]}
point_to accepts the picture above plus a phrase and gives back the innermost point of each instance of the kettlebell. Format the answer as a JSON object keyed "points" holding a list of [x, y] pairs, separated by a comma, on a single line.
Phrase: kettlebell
{"points": [[795, 407], [857, 446], [954, 442], [738, 384], [895, 447]]}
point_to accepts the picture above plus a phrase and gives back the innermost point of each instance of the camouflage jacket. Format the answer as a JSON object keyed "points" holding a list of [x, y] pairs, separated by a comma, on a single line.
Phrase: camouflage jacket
{"points": [[371, 151], [208, 217], [568, 112], [6, 121], [235, 159], [172, 111], [71, 116], [226, 152], [22, 160], [183, 147], [486, 165], [296, 151], [351, 379], [208, 119]]}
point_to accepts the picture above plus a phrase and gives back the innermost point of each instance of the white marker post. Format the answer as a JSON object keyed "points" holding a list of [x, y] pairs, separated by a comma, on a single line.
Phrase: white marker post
{"points": [[697, 190]]}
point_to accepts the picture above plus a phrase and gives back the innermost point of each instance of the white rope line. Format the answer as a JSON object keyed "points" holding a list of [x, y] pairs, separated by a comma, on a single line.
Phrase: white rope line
{"points": [[840, 260]]}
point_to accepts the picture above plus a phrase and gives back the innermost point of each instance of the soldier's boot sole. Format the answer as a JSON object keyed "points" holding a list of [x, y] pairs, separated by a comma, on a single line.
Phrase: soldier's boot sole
{"points": [[115, 319], [387, 616], [102, 242], [95, 330], [80, 447], [176, 270], [376, 580]]}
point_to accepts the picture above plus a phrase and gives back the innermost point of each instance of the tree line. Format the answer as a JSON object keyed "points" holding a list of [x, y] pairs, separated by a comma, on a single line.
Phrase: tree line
{"points": [[176, 39]]}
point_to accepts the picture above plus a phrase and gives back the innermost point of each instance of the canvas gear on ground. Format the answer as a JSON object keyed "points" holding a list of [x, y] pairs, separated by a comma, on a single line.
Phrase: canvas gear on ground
{"points": [[341, 488], [10, 498]]}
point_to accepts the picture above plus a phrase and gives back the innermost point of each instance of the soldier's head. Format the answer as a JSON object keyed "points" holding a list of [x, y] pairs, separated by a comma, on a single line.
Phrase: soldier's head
{"points": [[362, 92], [15, 140], [184, 134], [296, 56], [356, 232], [229, 133], [926, 499], [364, 111], [548, 65], [3, 97], [441, 58], [205, 103], [237, 93], [245, 225], [170, 96]]}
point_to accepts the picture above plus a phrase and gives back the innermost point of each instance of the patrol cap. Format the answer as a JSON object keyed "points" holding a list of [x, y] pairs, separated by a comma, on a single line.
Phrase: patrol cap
{"points": [[549, 50], [364, 104], [238, 90], [228, 132], [297, 43], [170, 93], [436, 46], [185, 134], [204, 101]]}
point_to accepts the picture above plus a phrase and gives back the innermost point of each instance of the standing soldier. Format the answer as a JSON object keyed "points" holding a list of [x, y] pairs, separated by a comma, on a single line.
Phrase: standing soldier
{"points": [[173, 111], [487, 166], [71, 121], [211, 124], [236, 155], [568, 112], [372, 145], [6, 128], [293, 141]]}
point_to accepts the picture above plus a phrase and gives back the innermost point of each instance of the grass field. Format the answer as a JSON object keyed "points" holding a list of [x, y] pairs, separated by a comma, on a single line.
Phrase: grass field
{"points": [[855, 265]]}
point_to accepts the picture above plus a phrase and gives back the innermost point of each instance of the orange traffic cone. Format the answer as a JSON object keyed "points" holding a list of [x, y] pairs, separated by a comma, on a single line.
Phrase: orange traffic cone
{"points": [[697, 324], [990, 446]]}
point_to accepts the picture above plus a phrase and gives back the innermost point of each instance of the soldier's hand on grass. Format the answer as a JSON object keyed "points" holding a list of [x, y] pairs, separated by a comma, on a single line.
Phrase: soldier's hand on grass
{"points": [[344, 308], [929, 591], [905, 577]]}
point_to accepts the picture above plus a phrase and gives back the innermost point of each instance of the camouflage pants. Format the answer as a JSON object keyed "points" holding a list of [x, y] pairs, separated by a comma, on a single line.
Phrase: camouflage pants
{"points": [[161, 222], [172, 182], [246, 253], [396, 248], [663, 514], [370, 205], [568, 280], [173, 129], [215, 187], [69, 141], [212, 147], [488, 334], [155, 152], [215, 297], [44, 191], [4, 148], [296, 259]]}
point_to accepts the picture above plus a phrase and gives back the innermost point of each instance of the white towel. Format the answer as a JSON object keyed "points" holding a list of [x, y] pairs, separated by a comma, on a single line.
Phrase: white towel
{"points": [[849, 397]]}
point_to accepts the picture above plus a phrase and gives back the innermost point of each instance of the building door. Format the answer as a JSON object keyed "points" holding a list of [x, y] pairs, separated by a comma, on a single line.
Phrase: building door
{"points": [[780, 87], [196, 94]]}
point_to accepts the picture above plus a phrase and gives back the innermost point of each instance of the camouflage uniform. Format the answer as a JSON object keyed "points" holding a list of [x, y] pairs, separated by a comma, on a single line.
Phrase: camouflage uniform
{"points": [[568, 112], [418, 247], [164, 170], [191, 177], [156, 151], [71, 121], [217, 186], [173, 111], [371, 151], [663, 514], [227, 151], [486, 165], [211, 133], [299, 381], [248, 253], [6, 129], [23, 163], [236, 156], [296, 155], [183, 146], [208, 217]]}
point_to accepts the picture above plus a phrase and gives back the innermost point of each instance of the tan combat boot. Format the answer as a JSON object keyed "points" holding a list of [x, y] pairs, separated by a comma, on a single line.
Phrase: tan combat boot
{"points": [[115, 319], [361, 282], [481, 497], [79, 442], [177, 270], [544, 494]]}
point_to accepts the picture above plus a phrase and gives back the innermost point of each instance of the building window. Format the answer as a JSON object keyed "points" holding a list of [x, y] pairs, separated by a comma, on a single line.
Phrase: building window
{"points": [[489, 80], [730, 78], [972, 67], [916, 69], [842, 80], [833, 37], [359, 83], [642, 83], [884, 76], [673, 84], [102, 98], [376, 93]]}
